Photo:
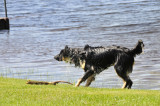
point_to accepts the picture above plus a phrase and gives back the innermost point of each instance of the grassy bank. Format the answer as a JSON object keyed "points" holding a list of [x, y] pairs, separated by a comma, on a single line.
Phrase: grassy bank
{"points": [[16, 92]]}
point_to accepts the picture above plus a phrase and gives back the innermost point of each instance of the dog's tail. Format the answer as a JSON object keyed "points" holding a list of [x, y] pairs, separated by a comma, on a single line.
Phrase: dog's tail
{"points": [[138, 49]]}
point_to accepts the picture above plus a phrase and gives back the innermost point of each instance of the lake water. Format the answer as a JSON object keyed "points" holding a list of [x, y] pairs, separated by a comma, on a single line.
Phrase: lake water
{"points": [[39, 29]]}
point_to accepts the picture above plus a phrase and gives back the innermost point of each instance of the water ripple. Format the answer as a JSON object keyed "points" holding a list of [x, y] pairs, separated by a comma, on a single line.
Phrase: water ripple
{"points": [[40, 29]]}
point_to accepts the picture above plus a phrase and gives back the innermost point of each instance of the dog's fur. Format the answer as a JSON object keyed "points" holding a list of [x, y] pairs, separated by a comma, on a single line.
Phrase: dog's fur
{"points": [[96, 59]]}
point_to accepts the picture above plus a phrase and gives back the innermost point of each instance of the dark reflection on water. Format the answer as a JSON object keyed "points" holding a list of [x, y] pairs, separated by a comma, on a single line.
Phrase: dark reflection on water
{"points": [[40, 29]]}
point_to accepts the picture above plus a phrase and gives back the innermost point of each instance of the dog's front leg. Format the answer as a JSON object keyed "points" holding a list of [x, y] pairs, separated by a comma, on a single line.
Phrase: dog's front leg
{"points": [[89, 80], [78, 82], [86, 75]]}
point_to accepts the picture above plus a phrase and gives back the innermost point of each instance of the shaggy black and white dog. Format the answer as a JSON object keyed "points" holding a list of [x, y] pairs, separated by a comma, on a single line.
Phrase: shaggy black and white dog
{"points": [[96, 59]]}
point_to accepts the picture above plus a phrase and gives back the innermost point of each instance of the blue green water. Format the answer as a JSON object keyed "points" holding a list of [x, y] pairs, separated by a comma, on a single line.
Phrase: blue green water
{"points": [[39, 29]]}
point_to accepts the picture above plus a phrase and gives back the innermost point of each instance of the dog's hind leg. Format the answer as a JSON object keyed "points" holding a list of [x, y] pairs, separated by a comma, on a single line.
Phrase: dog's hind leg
{"points": [[129, 83], [89, 80], [125, 80], [86, 76], [123, 68], [122, 74]]}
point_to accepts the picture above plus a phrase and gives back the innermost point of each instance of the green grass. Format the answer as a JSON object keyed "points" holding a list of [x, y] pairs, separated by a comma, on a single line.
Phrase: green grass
{"points": [[16, 92]]}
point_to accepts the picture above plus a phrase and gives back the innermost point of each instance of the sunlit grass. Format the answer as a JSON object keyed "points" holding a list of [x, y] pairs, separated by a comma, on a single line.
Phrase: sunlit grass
{"points": [[16, 92]]}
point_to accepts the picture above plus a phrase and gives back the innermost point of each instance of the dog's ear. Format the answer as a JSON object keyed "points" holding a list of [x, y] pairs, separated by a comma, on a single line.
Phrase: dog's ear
{"points": [[66, 47], [83, 54], [86, 47]]}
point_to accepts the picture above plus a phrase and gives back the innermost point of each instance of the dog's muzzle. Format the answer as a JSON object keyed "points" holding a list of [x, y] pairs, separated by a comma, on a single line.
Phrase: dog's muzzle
{"points": [[57, 57]]}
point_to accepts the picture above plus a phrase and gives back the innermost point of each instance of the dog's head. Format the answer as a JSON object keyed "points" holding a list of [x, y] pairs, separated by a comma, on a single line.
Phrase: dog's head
{"points": [[64, 54]]}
